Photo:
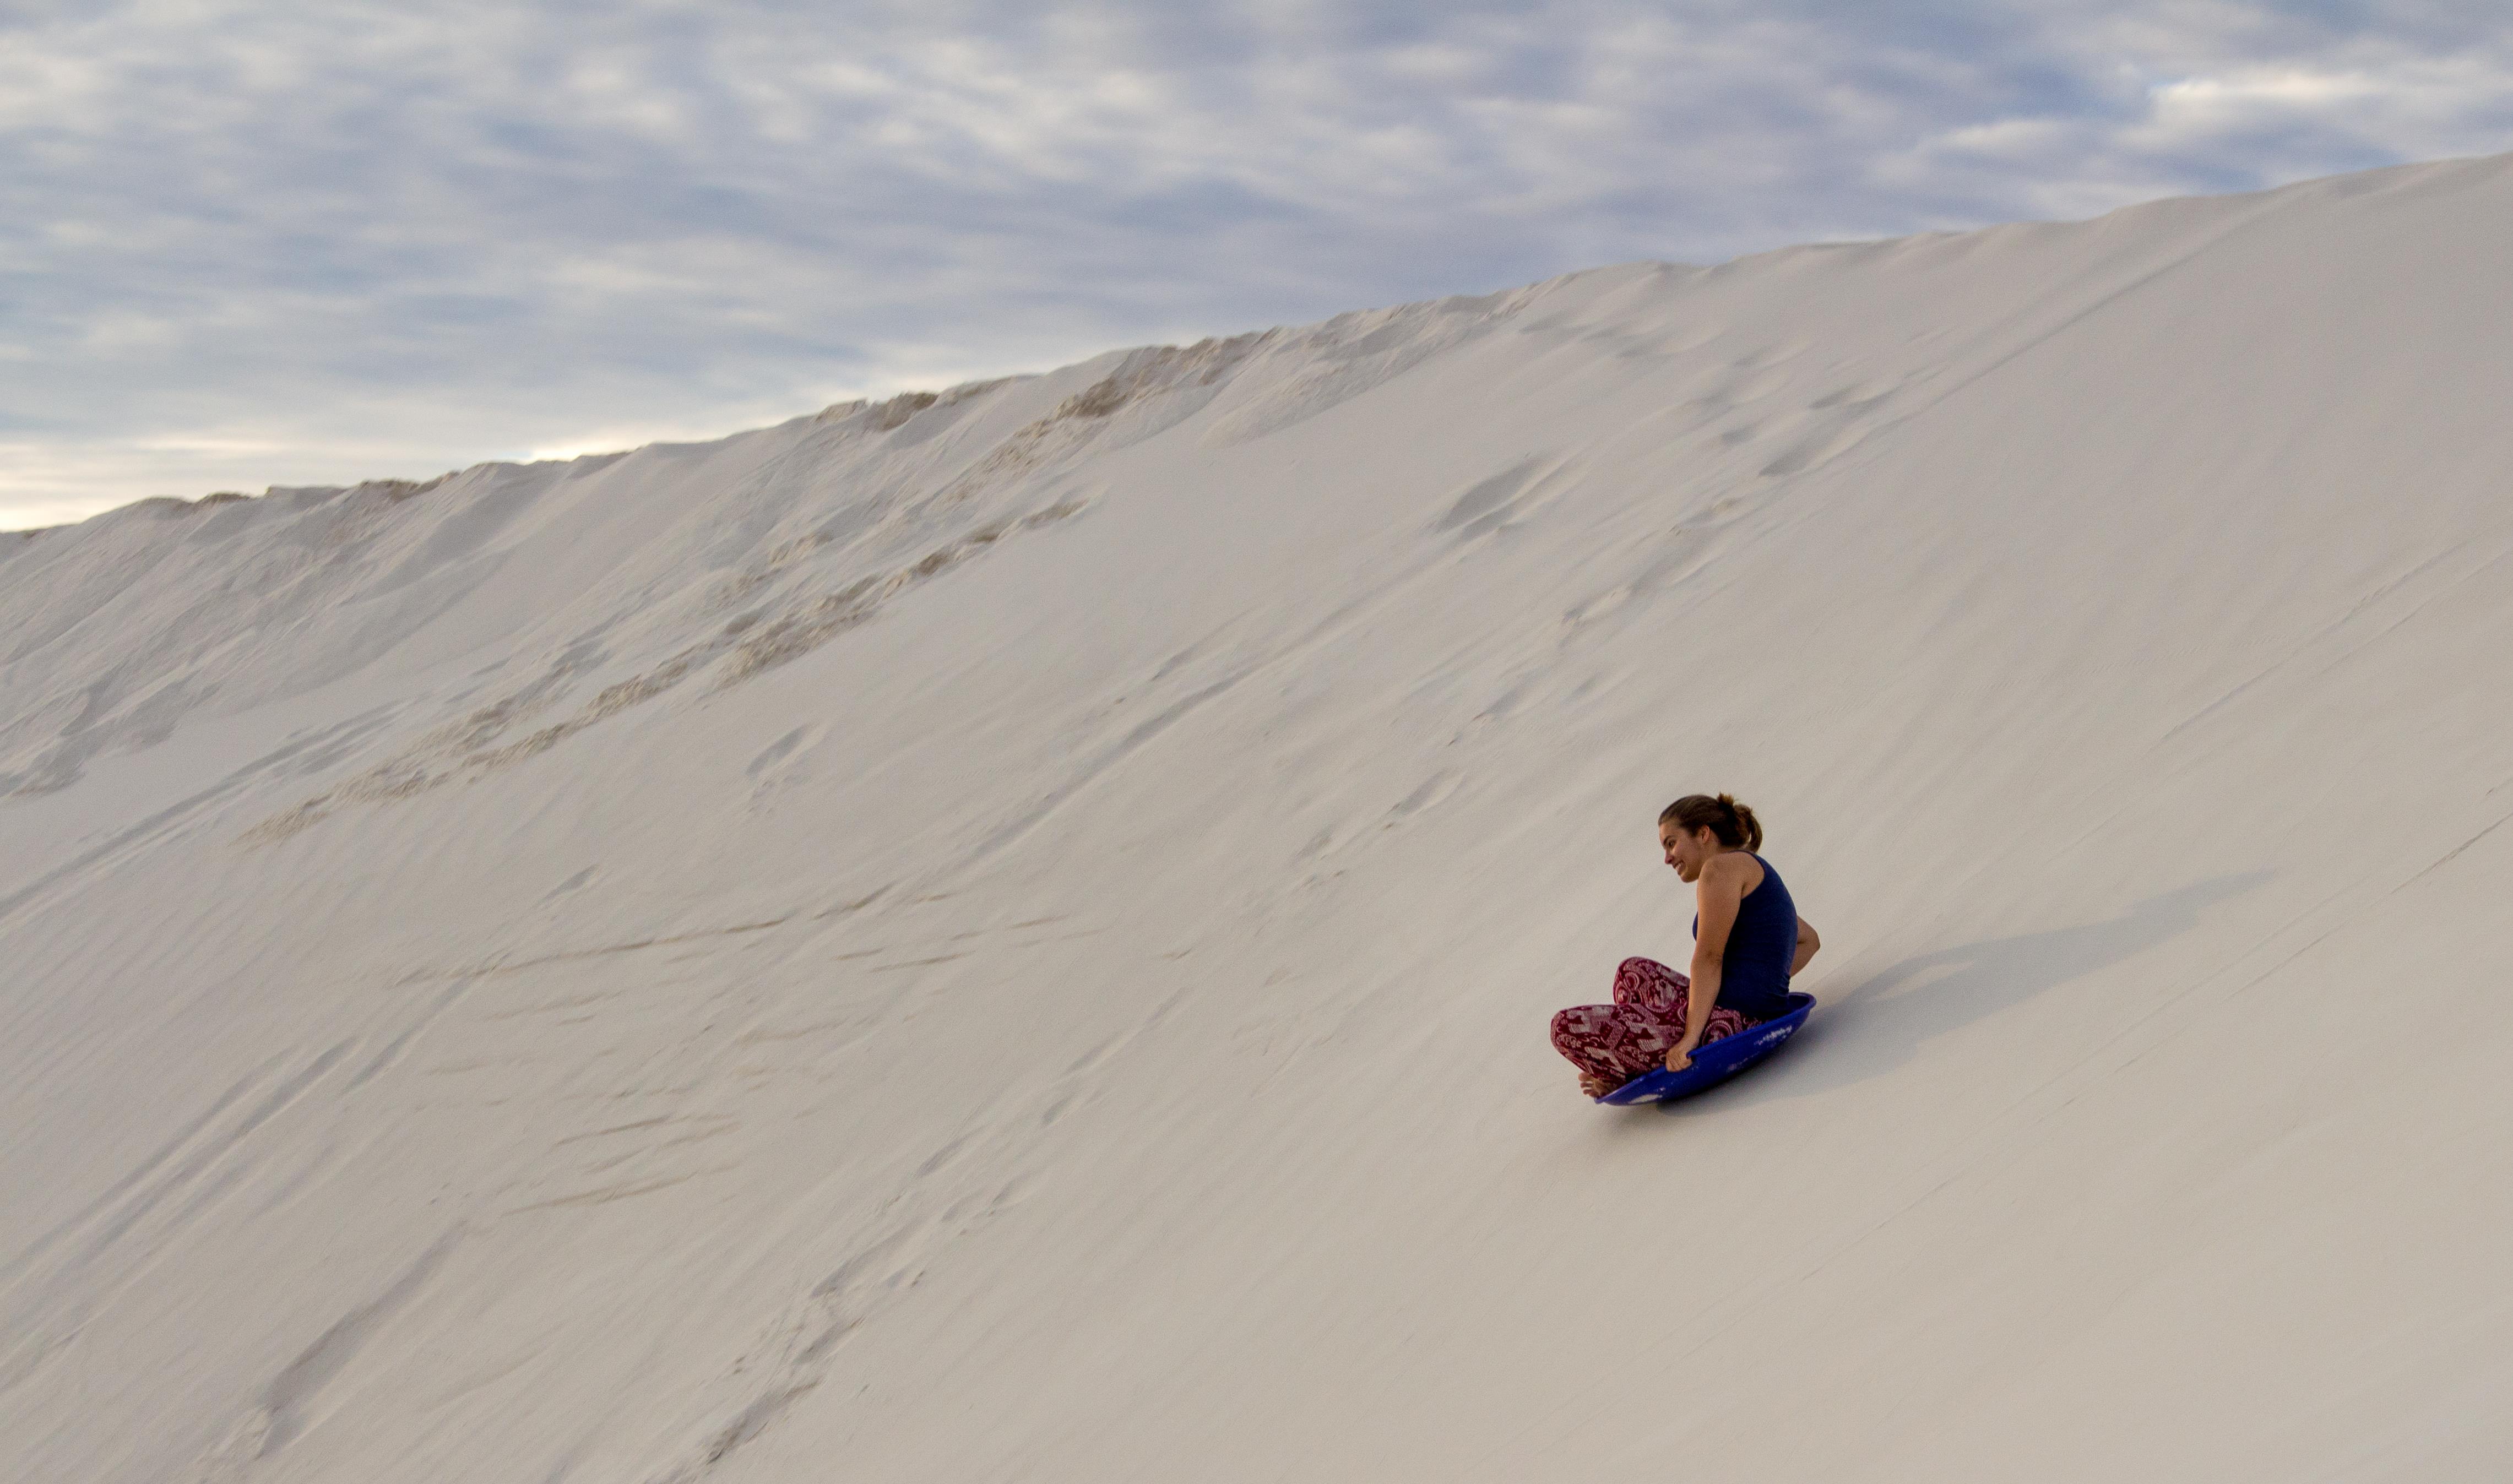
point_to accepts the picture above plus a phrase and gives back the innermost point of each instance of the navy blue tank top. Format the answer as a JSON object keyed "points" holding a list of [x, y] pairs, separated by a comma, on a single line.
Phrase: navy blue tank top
{"points": [[1754, 972]]}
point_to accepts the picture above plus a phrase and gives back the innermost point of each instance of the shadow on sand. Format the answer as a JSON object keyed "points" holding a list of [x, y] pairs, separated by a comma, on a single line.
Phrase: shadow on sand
{"points": [[1881, 1024]]}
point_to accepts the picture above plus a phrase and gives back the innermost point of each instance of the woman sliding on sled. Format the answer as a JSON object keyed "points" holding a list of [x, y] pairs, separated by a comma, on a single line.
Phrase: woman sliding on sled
{"points": [[1748, 941]]}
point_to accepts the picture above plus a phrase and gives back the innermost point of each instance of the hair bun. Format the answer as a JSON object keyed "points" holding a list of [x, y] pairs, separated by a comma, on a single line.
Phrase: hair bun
{"points": [[1732, 822]]}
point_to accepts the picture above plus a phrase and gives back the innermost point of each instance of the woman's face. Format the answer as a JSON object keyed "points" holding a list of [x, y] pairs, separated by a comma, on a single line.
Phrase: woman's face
{"points": [[1687, 850]]}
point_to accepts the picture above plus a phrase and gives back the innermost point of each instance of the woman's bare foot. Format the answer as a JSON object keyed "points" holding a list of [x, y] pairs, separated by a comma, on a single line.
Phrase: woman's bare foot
{"points": [[1595, 1086]]}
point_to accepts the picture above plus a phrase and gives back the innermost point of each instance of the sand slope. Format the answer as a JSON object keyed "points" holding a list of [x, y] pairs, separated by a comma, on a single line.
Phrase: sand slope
{"points": [[1009, 938]]}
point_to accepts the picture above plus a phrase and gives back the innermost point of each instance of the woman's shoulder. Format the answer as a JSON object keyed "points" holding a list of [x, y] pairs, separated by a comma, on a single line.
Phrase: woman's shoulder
{"points": [[1741, 866]]}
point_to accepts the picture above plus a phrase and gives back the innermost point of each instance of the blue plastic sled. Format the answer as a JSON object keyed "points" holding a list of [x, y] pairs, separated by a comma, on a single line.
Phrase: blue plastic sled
{"points": [[1715, 1062]]}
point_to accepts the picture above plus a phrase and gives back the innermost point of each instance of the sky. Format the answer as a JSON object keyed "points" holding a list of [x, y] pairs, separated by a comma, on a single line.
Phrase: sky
{"points": [[245, 245]]}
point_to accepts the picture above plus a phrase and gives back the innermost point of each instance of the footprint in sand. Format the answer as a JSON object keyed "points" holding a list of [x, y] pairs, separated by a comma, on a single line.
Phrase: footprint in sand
{"points": [[783, 764]]}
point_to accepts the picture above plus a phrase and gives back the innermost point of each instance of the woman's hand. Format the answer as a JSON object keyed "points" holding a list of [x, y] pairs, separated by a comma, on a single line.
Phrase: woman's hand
{"points": [[1680, 1056]]}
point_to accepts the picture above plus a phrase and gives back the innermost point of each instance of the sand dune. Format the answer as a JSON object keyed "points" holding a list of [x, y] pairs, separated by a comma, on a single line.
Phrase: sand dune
{"points": [[1007, 935]]}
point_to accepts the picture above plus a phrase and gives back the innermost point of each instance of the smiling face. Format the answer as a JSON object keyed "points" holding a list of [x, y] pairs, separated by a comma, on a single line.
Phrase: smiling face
{"points": [[1688, 850]]}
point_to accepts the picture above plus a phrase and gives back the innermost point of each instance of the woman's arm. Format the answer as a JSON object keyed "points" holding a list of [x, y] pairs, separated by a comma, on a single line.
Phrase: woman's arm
{"points": [[1808, 946], [1715, 898]]}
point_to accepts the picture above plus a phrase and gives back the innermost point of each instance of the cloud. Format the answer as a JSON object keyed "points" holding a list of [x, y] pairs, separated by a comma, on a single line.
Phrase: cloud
{"points": [[244, 244]]}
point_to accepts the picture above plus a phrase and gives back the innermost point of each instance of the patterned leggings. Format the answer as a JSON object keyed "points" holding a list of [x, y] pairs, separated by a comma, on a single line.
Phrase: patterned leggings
{"points": [[1621, 1041]]}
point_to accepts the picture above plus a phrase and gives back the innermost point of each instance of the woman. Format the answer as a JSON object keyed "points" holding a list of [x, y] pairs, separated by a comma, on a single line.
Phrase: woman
{"points": [[1748, 941]]}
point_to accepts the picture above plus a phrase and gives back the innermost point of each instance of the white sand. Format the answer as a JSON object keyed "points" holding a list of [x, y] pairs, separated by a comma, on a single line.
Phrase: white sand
{"points": [[1060, 995]]}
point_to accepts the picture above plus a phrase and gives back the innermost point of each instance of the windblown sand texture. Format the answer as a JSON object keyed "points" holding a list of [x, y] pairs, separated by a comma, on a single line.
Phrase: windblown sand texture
{"points": [[1007, 936]]}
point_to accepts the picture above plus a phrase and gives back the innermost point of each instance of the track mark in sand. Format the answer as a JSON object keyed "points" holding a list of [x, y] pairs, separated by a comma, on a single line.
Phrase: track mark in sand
{"points": [[1855, 396], [850, 908], [473, 746], [119, 1188], [620, 1192], [476, 1063], [1327, 631], [1505, 500], [658, 1121], [1015, 927], [1097, 1055], [553, 1007], [761, 1036], [482, 1380], [1685, 552], [784, 765], [498, 968], [574, 883], [753, 1420], [2337, 627], [803, 1342], [2453, 854], [781, 748], [1834, 424], [1434, 790], [1324, 632], [642, 1144], [1815, 451], [914, 963], [1485, 504], [801, 1346], [713, 1127], [622, 1096], [393, 1048], [32, 1336], [942, 1157], [156, 826], [325, 1159], [1738, 382], [1070, 1088], [286, 1406], [191, 1170], [946, 1195]]}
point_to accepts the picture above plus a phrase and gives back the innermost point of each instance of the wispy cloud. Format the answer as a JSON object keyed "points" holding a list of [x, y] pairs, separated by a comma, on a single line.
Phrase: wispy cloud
{"points": [[246, 244]]}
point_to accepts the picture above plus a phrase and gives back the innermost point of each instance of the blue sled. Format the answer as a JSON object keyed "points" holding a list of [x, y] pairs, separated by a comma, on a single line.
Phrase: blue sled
{"points": [[1715, 1062]]}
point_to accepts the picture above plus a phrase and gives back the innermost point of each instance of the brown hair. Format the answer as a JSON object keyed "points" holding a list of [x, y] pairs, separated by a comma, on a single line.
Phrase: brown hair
{"points": [[1732, 822]]}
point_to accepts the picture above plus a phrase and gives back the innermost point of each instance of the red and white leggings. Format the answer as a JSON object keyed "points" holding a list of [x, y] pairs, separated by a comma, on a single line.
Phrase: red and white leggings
{"points": [[1621, 1041]]}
